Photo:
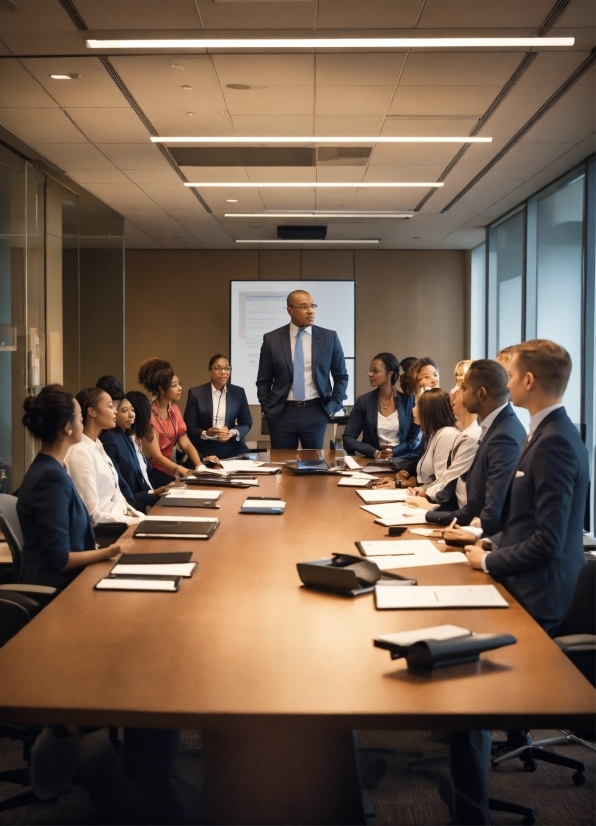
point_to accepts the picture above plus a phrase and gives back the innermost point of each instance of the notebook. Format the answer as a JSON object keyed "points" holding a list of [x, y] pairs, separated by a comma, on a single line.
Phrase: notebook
{"points": [[387, 547], [172, 527], [183, 569], [378, 497], [261, 504], [439, 596], [133, 583]]}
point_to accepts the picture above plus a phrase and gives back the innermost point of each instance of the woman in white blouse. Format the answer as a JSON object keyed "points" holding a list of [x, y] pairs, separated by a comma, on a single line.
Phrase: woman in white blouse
{"points": [[437, 423], [89, 466]]}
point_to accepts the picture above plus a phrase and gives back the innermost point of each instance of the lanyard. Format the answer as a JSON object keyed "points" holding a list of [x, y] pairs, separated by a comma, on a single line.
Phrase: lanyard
{"points": [[172, 422]]}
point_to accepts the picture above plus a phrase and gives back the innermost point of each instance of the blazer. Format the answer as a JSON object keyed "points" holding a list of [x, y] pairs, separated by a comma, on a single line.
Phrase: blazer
{"points": [[363, 419], [539, 551], [198, 416], [132, 483], [487, 479], [276, 371], [54, 522]]}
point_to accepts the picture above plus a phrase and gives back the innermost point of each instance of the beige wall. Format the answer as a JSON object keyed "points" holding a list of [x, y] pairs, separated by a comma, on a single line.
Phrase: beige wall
{"points": [[408, 302]]}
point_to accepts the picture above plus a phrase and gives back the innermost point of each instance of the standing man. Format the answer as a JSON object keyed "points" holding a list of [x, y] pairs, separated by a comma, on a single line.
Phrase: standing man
{"points": [[293, 385]]}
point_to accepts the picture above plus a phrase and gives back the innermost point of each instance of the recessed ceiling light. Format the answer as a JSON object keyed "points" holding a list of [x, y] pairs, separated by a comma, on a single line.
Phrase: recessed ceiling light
{"points": [[187, 88], [71, 76], [231, 200], [333, 43], [310, 184], [320, 140], [320, 214], [178, 66], [325, 242], [190, 114]]}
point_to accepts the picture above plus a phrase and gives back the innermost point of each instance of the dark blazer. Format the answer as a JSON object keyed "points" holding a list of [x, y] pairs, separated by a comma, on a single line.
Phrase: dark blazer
{"points": [[487, 479], [276, 370], [198, 416], [540, 549], [54, 522], [132, 483], [363, 419]]}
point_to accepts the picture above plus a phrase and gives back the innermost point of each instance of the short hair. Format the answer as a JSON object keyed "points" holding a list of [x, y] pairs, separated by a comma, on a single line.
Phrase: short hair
{"points": [[434, 411], [112, 386], [291, 295], [88, 397], [141, 426], [548, 362], [409, 381], [215, 358], [406, 363], [491, 375], [391, 365], [460, 370], [155, 374], [506, 354], [49, 412]]}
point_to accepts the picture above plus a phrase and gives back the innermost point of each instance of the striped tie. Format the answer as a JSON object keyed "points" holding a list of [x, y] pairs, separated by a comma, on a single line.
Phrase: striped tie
{"points": [[299, 387]]}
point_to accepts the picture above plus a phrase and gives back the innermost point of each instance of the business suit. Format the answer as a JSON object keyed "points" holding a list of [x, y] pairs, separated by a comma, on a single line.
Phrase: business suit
{"points": [[539, 551], [304, 420], [364, 417], [54, 522], [132, 483], [198, 416], [486, 481]]}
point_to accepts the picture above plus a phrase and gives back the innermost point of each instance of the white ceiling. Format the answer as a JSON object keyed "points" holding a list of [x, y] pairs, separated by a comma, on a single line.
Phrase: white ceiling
{"points": [[88, 128]]}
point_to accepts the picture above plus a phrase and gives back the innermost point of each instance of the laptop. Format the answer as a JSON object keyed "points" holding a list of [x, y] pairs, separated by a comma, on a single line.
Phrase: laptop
{"points": [[175, 529], [308, 467]]}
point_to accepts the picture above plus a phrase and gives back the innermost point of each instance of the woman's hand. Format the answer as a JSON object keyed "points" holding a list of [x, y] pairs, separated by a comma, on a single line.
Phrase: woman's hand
{"points": [[214, 459], [113, 550], [419, 502], [419, 492], [385, 453], [385, 483]]}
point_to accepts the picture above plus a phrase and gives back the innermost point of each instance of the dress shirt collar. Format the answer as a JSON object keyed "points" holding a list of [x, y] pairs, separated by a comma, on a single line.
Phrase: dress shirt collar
{"points": [[472, 429], [539, 417], [294, 330], [487, 422], [96, 445], [215, 391]]}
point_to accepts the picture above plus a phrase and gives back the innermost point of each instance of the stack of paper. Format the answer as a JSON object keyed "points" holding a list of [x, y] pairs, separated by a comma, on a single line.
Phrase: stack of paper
{"points": [[407, 553], [246, 466], [396, 514], [377, 497], [439, 596], [355, 481]]}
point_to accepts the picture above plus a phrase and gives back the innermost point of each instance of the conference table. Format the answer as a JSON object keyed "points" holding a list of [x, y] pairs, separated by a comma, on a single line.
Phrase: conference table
{"points": [[276, 676]]}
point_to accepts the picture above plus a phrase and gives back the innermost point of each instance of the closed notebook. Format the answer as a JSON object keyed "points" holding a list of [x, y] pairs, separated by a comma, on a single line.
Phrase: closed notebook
{"points": [[187, 502], [262, 505], [183, 569], [174, 528], [439, 596], [174, 558], [136, 583]]}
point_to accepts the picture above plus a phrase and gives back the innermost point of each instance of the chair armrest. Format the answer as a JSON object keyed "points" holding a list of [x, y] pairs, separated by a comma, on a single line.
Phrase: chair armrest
{"points": [[576, 642], [43, 592]]}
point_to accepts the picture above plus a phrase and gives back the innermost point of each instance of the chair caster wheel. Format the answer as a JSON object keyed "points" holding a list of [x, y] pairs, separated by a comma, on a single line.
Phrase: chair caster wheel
{"points": [[578, 778], [530, 765], [530, 819]]}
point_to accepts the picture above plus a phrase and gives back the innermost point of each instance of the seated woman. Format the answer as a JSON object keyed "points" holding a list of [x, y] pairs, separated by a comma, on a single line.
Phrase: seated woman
{"points": [[459, 371], [124, 449], [58, 539], [169, 428], [421, 375], [217, 414], [90, 467], [383, 416], [437, 422]]}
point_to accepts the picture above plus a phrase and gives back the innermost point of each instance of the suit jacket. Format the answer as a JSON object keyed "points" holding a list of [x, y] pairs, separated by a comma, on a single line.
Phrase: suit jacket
{"points": [[540, 549], [276, 371], [198, 416], [132, 483], [363, 419], [54, 522], [487, 479]]}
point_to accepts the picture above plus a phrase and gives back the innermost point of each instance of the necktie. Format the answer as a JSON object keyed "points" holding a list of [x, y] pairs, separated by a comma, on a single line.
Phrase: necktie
{"points": [[299, 387]]}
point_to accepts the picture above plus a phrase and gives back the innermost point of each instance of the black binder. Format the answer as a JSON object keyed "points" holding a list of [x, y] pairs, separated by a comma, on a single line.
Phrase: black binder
{"points": [[175, 529]]}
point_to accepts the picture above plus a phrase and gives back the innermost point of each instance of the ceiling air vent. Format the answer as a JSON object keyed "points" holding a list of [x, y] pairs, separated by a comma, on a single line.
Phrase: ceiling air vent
{"points": [[243, 155], [295, 233], [343, 155]]}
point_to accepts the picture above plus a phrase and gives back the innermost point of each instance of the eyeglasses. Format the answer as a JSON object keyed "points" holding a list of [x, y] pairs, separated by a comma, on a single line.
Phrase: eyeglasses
{"points": [[227, 369], [376, 372], [304, 307]]}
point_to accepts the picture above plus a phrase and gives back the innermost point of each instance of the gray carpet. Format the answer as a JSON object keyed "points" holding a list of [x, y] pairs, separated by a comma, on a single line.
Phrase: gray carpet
{"points": [[399, 798]]}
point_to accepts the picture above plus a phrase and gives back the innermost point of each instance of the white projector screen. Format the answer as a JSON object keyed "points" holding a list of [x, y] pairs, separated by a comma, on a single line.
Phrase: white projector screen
{"points": [[257, 307]]}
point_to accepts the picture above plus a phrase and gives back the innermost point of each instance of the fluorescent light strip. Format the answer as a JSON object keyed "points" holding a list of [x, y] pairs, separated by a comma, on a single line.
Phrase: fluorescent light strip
{"points": [[327, 241], [321, 214], [305, 185], [313, 140], [333, 43]]}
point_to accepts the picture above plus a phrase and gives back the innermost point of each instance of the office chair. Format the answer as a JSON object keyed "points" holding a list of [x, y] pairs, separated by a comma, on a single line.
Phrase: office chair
{"points": [[8, 509]]}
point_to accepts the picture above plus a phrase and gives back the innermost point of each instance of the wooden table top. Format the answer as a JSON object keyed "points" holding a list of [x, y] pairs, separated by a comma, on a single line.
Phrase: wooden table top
{"points": [[243, 639]]}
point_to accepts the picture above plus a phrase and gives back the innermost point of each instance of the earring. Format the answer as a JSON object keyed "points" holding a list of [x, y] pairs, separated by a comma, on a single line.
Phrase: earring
{"points": [[69, 432]]}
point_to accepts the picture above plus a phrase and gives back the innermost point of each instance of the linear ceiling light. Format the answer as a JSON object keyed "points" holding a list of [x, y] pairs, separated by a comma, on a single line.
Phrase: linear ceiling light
{"points": [[326, 242], [306, 184], [313, 140], [333, 43], [319, 214]]}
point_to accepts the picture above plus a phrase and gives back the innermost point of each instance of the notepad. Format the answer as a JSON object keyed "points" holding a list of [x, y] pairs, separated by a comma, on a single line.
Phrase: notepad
{"points": [[271, 506], [351, 482], [376, 497], [439, 596], [423, 560], [396, 513], [183, 569], [387, 547], [138, 584]]}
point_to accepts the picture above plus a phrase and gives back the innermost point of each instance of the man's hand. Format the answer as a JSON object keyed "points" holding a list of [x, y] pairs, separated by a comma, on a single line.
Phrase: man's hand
{"points": [[224, 434], [384, 483], [419, 492], [214, 431], [475, 554], [385, 453], [457, 536]]}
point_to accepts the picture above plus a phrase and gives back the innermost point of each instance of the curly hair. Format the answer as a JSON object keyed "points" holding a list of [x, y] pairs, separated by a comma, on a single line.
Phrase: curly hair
{"points": [[409, 381], [155, 374], [49, 412]]}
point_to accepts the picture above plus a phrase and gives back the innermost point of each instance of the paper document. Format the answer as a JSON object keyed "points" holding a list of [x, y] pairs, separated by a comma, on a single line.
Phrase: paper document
{"points": [[398, 547], [396, 514], [375, 497], [210, 471], [179, 519], [185, 493], [389, 563], [352, 463], [351, 482], [424, 531], [181, 569], [240, 465], [439, 596], [435, 632], [114, 584]]}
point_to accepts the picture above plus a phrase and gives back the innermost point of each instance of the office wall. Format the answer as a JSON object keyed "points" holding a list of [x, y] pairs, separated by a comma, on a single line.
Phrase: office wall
{"points": [[409, 302]]}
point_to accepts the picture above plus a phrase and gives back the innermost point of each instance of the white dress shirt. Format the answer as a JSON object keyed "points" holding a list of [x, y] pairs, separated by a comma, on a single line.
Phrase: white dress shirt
{"points": [[487, 422], [309, 385], [141, 460], [218, 398], [388, 429], [433, 463], [96, 480], [462, 455]]}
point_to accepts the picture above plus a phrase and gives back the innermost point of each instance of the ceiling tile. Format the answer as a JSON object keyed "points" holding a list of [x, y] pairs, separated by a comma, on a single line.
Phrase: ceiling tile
{"points": [[122, 196], [170, 196], [135, 239], [247, 200], [156, 84], [459, 68], [212, 174], [404, 172], [481, 13], [204, 227], [340, 173], [265, 69], [19, 89], [273, 124], [295, 174], [95, 87], [372, 14], [134, 156], [443, 100], [154, 14], [288, 198], [153, 176], [74, 156], [99, 176], [275, 100], [178, 122], [36, 16], [430, 126], [41, 126], [369, 199], [353, 100], [402, 154], [110, 125], [254, 15], [578, 13], [347, 126], [376, 69], [526, 159]]}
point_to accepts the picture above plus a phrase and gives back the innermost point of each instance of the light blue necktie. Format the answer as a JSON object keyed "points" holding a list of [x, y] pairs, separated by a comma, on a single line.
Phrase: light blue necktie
{"points": [[299, 386]]}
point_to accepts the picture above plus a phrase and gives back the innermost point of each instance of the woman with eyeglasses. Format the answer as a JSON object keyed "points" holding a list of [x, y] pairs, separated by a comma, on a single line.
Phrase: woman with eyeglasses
{"points": [[217, 414], [169, 428], [383, 416]]}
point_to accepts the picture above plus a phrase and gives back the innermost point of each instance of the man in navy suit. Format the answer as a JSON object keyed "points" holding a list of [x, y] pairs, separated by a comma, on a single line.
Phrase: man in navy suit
{"points": [[502, 435], [538, 554], [293, 384]]}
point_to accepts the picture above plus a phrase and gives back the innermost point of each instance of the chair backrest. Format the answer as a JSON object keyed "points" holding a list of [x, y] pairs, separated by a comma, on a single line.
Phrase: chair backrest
{"points": [[8, 509], [581, 614], [14, 547], [15, 612]]}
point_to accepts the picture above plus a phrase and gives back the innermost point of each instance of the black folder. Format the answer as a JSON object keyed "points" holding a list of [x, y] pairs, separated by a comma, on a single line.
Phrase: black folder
{"points": [[175, 529], [177, 558]]}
